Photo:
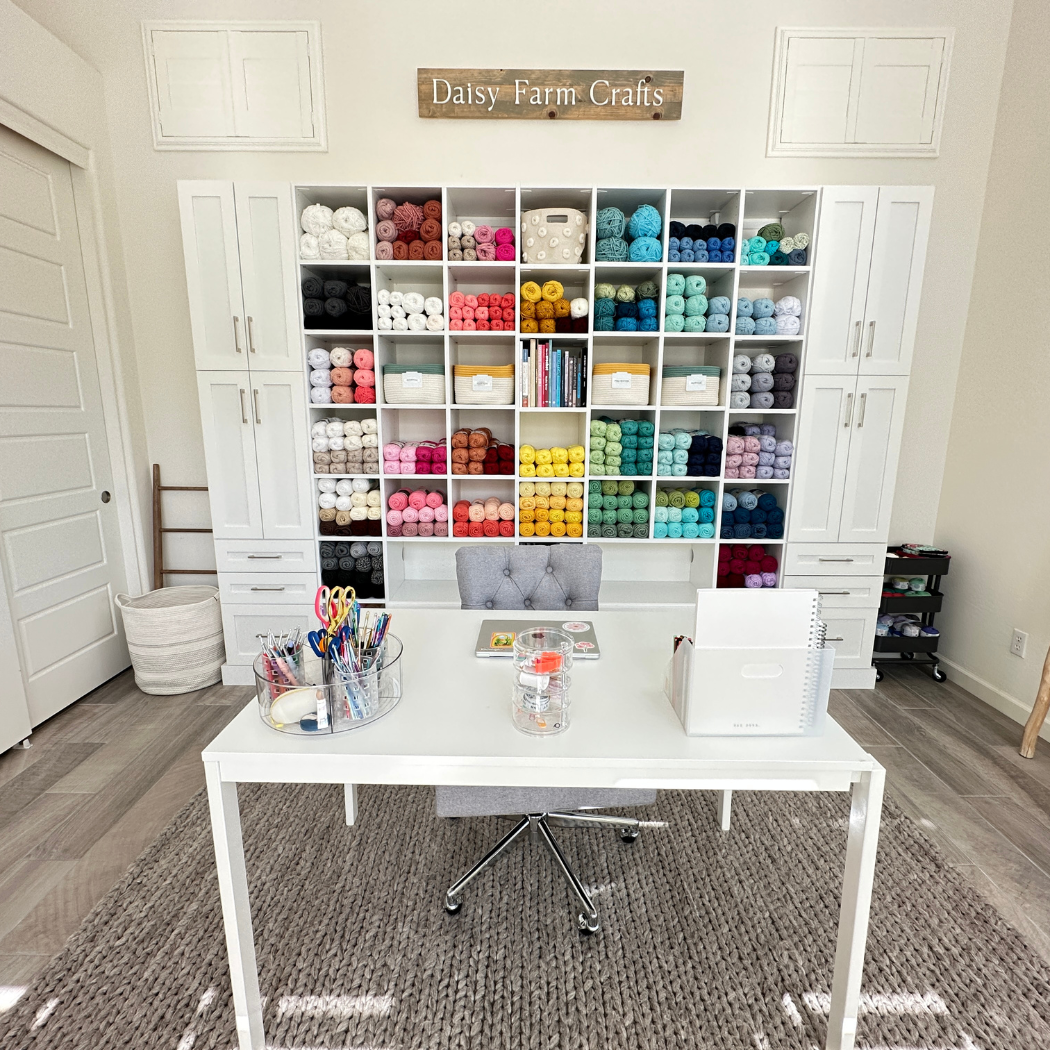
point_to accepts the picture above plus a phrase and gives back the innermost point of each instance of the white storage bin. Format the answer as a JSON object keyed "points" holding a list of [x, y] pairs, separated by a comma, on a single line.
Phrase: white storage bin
{"points": [[553, 235], [414, 388], [700, 387], [470, 393], [620, 388]]}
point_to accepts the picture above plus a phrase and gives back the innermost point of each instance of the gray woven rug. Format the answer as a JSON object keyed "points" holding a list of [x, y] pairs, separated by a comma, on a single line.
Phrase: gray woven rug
{"points": [[708, 941]]}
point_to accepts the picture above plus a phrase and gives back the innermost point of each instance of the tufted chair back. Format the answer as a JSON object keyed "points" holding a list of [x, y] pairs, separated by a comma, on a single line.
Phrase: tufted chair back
{"points": [[535, 576]]}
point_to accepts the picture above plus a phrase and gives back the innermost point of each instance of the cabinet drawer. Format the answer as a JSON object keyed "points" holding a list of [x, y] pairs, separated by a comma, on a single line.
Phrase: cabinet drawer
{"points": [[244, 627], [273, 588], [265, 556], [852, 634], [856, 592], [834, 559]]}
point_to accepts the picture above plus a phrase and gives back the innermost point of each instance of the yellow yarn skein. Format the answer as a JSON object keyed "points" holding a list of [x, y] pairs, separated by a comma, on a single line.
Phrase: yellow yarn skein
{"points": [[576, 470], [529, 325], [527, 470], [527, 454], [561, 470], [573, 488], [543, 455], [545, 471], [558, 488], [558, 528], [543, 528], [574, 530], [547, 326], [559, 455], [552, 291], [543, 488], [561, 307], [526, 528], [531, 291], [577, 454]]}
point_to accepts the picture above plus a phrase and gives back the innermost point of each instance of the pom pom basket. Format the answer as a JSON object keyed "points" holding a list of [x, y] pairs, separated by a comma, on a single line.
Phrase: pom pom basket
{"points": [[553, 235], [174, 637]]}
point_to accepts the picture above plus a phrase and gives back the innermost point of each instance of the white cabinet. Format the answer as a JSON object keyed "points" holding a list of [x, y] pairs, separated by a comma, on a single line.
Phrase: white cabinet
{"points": [[851, 633], [256, 450], [240, 249], [868, 279], [846, 461]]}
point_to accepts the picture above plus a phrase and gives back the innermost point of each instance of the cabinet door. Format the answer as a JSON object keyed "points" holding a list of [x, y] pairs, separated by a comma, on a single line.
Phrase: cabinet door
{"points": [[825, 425], [213, 280], [840, 279], [229, 452], [851, 633], [902, 227], [871, 472], [266, 228], [278, 406]]}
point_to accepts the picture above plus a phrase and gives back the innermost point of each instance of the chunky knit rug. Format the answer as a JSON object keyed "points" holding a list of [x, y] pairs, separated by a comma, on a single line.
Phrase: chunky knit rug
{"points": [[708, 941]]}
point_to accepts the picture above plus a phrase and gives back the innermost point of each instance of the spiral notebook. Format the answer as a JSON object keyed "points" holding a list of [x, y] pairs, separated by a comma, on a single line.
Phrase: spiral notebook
{"points": [[757, 665]]}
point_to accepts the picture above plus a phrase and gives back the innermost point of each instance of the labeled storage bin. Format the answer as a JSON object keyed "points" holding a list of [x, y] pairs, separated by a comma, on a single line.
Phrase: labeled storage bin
{"points": [[553, 235], [174, 637], [414, 384], [690, 385], [483, 384], [620, 384]]}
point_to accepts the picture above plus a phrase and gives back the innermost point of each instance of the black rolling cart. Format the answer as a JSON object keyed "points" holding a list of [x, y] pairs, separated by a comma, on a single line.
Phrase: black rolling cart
{"points": [[907, 648]]}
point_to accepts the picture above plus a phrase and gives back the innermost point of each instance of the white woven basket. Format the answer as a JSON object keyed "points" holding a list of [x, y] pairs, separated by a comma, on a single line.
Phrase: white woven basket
{"points": [[174, 637], [604, 393], [673, 391], [553, 235], [502, 392], [432, 392]]}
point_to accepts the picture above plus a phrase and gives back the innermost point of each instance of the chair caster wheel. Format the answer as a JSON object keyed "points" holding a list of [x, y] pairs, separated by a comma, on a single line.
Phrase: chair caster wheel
{"points": [[628, 835], [878, 675], [907, 656], [585, 925], [452, 907], [939, 675]]}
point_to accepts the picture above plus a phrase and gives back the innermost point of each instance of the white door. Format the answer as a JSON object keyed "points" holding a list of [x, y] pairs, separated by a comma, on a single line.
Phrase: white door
{"points": [[229, 453], [266, 227], [840, 279], [902, 227], [825, 425], [878, 420], [213, 278], [282, 446], [59, 539]]}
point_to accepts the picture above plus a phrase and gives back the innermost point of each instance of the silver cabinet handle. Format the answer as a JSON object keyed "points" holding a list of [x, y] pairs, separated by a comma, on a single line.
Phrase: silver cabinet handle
{"points": [[237, 333], [251, 336], [267, 588], [849, 410], [860, 410], [856, 339], [871, 338], [244, 412], [834, 639], [834, 559], [255, 394], [263, 557], [834, 592]]}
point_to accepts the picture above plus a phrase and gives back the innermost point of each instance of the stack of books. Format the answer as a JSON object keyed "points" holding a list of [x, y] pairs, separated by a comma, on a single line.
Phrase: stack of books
{"points": [[552, 376]]}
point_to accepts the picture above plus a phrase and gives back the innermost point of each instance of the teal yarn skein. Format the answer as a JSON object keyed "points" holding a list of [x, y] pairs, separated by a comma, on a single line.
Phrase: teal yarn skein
{"points": [[646, 249], [610, 222], [695, 284], [674, 304], [696, 304], [611, 249], [675, 284], [674, 322], [645, 222]]}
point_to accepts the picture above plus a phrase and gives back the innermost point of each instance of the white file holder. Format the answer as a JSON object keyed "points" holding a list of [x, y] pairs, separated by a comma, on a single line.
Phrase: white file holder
{"points": [[754, 690]]}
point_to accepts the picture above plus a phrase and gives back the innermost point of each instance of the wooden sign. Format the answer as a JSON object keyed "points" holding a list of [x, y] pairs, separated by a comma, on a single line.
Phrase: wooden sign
{"points": [[550, 94]]}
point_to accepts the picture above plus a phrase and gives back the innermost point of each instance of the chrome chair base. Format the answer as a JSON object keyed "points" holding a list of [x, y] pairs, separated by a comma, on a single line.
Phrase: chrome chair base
{"points": [[539, 826]]}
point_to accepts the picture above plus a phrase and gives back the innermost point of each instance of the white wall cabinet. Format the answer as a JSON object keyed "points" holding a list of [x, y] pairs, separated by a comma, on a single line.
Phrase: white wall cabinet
{"points": [[240, 249], [253, 420], [867, 287]]}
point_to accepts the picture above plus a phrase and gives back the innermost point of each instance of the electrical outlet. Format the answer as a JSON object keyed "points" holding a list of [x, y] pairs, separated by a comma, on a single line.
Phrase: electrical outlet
{"points": [[1018, 641]]}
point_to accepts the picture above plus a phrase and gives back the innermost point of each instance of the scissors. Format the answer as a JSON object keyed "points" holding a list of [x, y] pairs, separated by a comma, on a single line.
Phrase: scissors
{"points": [[333, 606], [318, 642]]}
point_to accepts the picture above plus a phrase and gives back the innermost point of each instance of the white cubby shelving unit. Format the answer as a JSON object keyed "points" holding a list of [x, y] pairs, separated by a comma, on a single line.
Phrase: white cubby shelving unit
{"points": [[637, 572]]}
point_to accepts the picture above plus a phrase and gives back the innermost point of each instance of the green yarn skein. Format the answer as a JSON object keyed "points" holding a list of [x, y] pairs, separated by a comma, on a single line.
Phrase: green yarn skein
{"points": [[674, 323], [675, 284], [605, 291], [674, 304], [772, 231], [625, 294], [696, 304], [611, 249], [650, 290], [609, 488], [610, 222], [695, 284], [625, 488]]}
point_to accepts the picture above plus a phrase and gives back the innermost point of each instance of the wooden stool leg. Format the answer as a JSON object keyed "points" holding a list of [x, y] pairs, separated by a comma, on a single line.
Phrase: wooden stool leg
{"points": [[1038, 715]]}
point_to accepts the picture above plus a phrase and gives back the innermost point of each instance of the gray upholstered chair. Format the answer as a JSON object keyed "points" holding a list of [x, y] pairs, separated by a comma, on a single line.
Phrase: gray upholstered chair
{"points": [[536, 577]]}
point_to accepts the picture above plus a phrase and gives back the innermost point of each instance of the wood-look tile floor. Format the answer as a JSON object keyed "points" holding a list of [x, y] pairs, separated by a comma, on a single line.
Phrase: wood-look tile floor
{"points": [[106, 775]]}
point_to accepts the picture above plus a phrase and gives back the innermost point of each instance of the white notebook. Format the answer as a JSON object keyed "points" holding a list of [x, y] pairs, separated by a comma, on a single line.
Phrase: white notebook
{"points": [[757, 665]]}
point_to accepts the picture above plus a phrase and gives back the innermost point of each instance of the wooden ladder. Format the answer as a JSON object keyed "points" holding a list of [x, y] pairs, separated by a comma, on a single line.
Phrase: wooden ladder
{"points": [[159, 572]]}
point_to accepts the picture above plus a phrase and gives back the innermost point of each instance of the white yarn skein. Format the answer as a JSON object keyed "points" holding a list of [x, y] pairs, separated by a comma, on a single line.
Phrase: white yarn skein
{"points": [[352, 428], [357, 499], [787, 324], [349, 220], [341, 356], [383, 309], [318, 358], [342, 503], [467, 228], [352, 442], [335, 444], [789, 306], [578, 307], [357, 246], [358, 513], [325, 485], [373, 513], [383, 297], [413, 303], [333, 428], [369, 426], [362, 485], [395, 298], [399, 324], [326, 500], [370, 440], [435, 322], [455, 230], [318, 431], [417, 323], [384, 324], [332, 244], [432, 305], [373, 498], [321, 395], [319, 444], [397, 310], [308, 247], [321, 377], [316, 219], [343, 488]]}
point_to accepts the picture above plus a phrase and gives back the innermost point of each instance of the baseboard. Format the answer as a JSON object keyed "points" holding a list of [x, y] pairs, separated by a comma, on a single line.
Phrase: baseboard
{"points": [[238, 674], [853, 678], [993, 696]]}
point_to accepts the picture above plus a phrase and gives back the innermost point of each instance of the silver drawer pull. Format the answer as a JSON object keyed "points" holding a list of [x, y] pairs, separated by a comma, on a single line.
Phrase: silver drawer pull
{"points": [[856, 339], [834, 559], [834, 592], [267, 588], [264, 557], [834, 639]]}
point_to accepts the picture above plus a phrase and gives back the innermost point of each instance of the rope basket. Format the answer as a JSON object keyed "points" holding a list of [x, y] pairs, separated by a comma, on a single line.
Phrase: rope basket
{"points": [[175, 638]]}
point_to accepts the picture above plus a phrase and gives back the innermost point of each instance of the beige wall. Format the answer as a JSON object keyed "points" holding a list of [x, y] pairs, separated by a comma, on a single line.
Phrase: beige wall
{"points": [[995, 504], [370, 54]]}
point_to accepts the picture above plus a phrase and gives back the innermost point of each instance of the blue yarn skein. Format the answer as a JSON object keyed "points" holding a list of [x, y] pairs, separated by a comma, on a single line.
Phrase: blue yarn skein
{"points": [[685, 242], [626, 324], [719, 323], [674, 255], [745, 325], [762, 308], [646, 249], [765, 326], [720, 304], [610, 222], [700, 256], [647, 324], [645, 222], [685, 255], [744, 307], [626, 310], [646, 308], [611, 249], [715, 256], [714, 244]]}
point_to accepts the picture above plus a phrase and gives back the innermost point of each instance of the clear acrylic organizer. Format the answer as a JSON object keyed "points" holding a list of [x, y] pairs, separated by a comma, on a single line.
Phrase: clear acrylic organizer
{"points": [[540, 693]]}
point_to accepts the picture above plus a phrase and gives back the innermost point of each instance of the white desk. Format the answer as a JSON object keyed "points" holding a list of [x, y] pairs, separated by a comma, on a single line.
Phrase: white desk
{"points": [[453, 727]]}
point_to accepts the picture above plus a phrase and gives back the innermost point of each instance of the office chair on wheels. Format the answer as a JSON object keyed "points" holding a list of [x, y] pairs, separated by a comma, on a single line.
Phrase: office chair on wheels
{"points": [[537, 578]]}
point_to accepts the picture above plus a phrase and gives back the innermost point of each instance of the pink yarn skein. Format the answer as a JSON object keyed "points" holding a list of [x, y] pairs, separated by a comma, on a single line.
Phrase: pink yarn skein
{"points": [[504, 235], [407, 216], [398, 500], [417, 499], [385, 208], [441, 513], [435, 499], [386, 231], [504, 252]]}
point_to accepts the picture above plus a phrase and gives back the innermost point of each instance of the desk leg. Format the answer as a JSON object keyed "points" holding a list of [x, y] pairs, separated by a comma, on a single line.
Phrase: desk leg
{"points": [[725, 808], [350, 799], [863, 841], [236, 911]]}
